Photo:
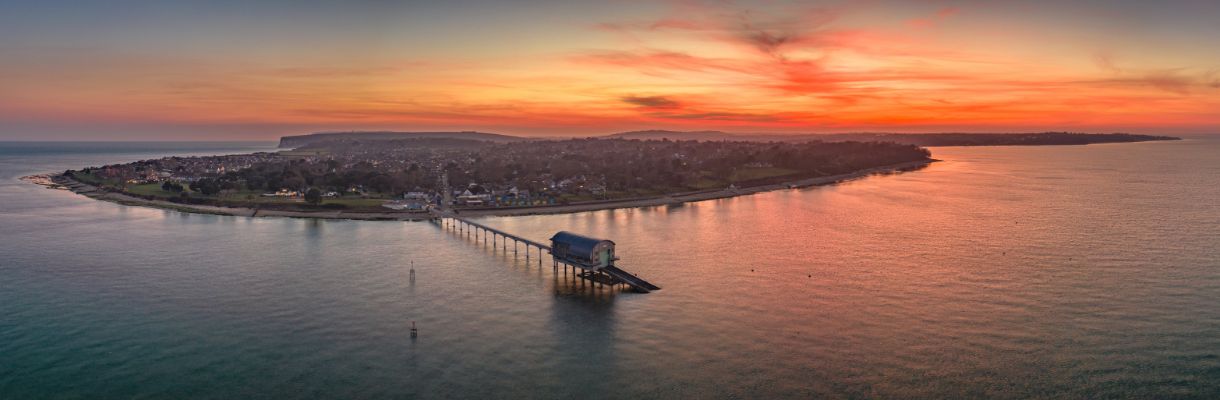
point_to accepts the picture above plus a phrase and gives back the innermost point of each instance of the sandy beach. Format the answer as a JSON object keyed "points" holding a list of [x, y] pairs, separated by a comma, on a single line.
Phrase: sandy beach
{"points": [[59, 181]]}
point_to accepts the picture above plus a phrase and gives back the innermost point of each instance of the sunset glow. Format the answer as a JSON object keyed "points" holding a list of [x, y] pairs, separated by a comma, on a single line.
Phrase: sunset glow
{"points": [[237, 71]]}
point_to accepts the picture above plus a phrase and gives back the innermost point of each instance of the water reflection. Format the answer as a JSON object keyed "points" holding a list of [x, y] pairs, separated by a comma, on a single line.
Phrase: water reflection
{"points": [[975, 278], [583, 329], [524, 259]]}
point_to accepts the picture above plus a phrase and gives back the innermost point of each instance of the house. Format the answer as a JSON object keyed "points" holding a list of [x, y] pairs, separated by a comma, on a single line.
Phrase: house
{"points": [[516, 193], [405, 205], [283, 193], [474, 195], [474, 189], [151, 175]]}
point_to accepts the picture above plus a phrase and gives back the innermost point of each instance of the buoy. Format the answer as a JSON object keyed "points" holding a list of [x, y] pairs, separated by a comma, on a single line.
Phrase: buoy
{"points": [[414, 331], [412, 271]]}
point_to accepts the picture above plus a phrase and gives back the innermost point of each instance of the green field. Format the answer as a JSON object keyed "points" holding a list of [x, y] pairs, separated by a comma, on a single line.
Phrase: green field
{"points": [[90, 178], [304, 153], [230, 197], [708, 183], [256, 197], [354, 202], [749, 174], [152, 189]]}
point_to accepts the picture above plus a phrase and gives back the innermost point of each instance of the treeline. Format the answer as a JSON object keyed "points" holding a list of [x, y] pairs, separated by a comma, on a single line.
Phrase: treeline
{"points": [[617, 165], [626, 165], [301, 174]]}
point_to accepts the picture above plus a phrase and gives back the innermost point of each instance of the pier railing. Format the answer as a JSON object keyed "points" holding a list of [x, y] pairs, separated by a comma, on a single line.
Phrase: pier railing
{"points": [[611, 275]]}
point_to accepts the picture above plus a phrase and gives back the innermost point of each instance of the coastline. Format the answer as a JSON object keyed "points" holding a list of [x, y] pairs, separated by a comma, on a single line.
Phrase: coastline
{"points": [[59, 181]]}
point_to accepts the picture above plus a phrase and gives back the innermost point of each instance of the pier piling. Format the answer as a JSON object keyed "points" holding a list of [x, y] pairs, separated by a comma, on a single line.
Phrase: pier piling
{"points": [[598, 276]]}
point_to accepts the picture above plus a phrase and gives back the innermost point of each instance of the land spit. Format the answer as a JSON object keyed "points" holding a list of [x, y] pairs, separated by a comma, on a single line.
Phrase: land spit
{"points": [[60, 181]]}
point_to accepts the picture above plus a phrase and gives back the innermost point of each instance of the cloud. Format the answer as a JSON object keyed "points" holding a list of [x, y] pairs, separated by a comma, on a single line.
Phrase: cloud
{"points": [[336, 72], [767, 31], [1173, 80], [658, 61], [770, 36], [773, 33], [1105, 61], [940, 16], [716, 116], [651, 101], [1176, 81], [1169, 81], [667, 108], [789, 49]]}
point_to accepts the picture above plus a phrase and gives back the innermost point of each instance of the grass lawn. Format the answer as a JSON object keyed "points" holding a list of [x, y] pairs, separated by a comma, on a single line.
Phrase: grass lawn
{"points": [[90, 178], [248, 196], [150, 189], [304, 153], [748, 174], [241, 196], [707, 183], [353, 202]]}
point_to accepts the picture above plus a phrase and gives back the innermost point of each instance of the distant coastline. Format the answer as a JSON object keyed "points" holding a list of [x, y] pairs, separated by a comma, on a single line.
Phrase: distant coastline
{"points": [[60, 181], [856, 156], [918, 139]]}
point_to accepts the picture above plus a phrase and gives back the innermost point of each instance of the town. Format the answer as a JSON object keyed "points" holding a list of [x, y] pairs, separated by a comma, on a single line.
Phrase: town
{"points": [[419, 174]]}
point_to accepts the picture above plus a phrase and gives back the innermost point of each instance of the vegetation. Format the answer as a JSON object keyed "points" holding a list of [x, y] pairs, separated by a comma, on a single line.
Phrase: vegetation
{"points": [[171, 187], [623, 166], [313, 196], [365, 173]]}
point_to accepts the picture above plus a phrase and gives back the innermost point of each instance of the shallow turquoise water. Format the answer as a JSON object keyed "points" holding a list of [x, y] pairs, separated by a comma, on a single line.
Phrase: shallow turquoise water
{"points": [[1006, 272]]}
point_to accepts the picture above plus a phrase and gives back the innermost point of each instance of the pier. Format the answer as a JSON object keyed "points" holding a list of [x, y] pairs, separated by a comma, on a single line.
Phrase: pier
{"points": [[593, 257]]}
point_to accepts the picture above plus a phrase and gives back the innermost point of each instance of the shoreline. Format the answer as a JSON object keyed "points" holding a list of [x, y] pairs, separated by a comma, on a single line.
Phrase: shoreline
{"points": [[59, 181]]}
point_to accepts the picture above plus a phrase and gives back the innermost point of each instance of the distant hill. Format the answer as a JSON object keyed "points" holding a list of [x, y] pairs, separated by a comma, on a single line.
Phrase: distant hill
{"points": [[918, 139], [302, 140], [680, 135]]}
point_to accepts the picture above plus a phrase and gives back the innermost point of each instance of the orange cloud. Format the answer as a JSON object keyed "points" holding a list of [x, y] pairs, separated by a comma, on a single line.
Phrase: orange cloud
{"points": [[700, 66]]}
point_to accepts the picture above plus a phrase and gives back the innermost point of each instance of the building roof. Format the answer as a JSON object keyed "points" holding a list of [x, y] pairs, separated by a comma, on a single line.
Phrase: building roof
{"points": [[476, 189], [578, 244]]}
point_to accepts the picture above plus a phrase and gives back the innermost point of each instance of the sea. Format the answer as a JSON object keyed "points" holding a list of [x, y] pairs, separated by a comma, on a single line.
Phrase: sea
{"points": [[997, 272]]}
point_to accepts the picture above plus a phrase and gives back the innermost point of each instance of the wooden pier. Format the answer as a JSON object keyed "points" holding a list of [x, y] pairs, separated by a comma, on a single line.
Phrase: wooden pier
{"points": [[603, 276]]}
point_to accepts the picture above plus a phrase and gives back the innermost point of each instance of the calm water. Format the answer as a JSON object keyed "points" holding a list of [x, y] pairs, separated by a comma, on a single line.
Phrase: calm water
{"points": [[1004, 272]]}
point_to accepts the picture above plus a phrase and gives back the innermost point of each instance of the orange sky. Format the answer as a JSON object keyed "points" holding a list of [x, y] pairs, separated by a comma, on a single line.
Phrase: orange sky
{"points": [[220, 71]]}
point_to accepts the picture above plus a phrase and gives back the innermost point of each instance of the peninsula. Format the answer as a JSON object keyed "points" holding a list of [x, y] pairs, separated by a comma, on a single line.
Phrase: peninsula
{"points": [[397, 175]]}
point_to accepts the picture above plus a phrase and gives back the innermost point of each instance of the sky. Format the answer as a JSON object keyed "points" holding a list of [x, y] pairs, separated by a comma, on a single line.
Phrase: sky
{"points": [[256, 70]]}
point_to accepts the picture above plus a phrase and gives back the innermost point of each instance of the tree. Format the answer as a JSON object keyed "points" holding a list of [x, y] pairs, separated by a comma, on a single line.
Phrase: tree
{"points": [[313, 196], [206, 186]]}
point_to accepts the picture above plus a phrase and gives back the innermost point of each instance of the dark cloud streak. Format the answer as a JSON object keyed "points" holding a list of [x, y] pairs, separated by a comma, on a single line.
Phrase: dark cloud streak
{"points": [[651, 101]]}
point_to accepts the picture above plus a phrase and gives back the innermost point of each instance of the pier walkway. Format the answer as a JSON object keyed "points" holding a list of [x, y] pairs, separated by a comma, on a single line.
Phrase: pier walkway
{"points": [[608, 275]]}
